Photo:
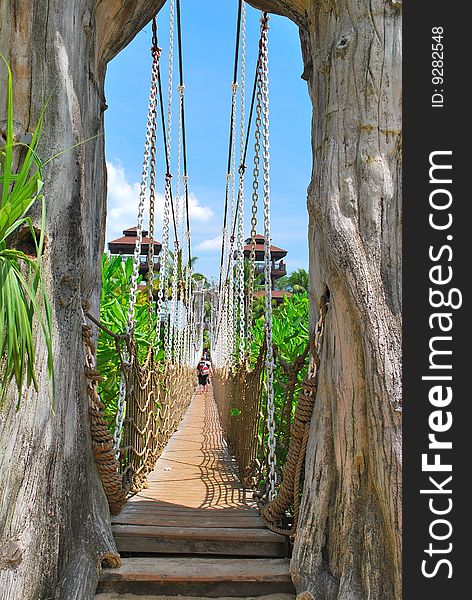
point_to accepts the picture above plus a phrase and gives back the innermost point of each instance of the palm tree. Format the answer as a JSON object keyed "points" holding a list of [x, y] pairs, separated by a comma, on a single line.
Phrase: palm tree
{"points": [[182, 270], [181, 277], [296, 282]]}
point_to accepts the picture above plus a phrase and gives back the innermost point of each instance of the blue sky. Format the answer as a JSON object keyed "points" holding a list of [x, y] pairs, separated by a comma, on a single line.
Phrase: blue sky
{"points": [[208, 48]]}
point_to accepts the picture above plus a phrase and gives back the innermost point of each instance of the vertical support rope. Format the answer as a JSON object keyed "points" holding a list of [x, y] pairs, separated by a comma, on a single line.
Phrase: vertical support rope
{"points": [[267, 258], [240, 314], [255, 199], [289, 493], [162, 302], [150, 129]]}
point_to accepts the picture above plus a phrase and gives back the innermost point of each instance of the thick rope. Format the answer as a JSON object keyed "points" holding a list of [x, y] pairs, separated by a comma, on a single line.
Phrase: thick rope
{"points": [[102, 440], [292, 371], [156, 401], [289, 491]]}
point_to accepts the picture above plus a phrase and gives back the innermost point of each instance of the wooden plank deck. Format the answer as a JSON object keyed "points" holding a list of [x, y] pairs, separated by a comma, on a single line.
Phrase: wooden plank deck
{"points": [[195, 470], [195, 515]]}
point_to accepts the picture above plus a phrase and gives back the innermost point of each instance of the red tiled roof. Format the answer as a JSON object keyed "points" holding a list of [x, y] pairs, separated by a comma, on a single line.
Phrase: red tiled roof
{"points": [[131, 241], [260, 248], [260, 245], [275, 293]]}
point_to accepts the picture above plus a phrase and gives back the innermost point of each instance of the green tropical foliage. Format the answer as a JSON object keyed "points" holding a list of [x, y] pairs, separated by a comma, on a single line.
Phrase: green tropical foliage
{"points": [[290, 329], [182, 271], [296, 282], [23, 297], [116, 275]]}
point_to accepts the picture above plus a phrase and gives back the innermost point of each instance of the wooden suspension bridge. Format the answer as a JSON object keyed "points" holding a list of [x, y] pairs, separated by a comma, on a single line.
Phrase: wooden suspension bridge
{"points": [[194, 529], [180, 477]]}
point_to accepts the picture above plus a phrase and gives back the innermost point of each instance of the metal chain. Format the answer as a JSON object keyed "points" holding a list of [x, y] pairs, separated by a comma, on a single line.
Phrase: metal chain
{"points": [[174, 284], [120, 416], [188, 275], [229, 265], [163, 308], [267, 260], [226, 346], [152, 205], [240, 234], [175, 275], [255, 199], [170, 71], [142, 192]]}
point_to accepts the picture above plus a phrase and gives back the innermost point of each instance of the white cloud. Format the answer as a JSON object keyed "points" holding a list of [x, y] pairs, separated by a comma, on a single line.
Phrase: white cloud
{"points": [[198, 212], [123, 201], [210, 245]]}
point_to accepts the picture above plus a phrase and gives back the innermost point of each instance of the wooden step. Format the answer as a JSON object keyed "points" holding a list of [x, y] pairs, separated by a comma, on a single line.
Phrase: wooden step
{"points": [[208, 577], [200, 520], [152, 539]]}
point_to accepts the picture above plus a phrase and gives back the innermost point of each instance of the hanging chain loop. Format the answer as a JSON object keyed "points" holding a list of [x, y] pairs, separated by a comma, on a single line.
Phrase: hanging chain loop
{"points": [[255, 200], [240, 206], [150, 132], [271, 458]]}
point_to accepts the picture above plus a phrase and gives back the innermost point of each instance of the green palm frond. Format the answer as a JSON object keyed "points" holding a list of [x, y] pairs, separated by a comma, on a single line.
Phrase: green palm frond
{"points": [[23, 297]]}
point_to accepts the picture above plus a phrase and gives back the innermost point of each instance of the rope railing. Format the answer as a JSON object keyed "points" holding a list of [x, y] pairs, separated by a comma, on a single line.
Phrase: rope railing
{"points": [[242, 406], [157, 397], [156, 401], [238, 394], [102, 440], [289, 492]]}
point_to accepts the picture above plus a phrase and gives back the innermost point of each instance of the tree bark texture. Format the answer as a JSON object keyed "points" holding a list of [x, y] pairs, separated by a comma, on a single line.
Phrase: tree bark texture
{"points": [[348, 545], [54, 525]]}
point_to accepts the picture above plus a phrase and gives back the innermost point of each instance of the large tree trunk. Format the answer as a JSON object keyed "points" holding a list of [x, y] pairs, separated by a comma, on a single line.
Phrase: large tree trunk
{"points": [[348, 545], [54, 526], [53, 515]]}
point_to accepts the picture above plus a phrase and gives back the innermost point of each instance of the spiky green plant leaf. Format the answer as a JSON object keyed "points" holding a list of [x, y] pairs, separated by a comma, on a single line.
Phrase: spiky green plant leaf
{"points": [[23, 297]]}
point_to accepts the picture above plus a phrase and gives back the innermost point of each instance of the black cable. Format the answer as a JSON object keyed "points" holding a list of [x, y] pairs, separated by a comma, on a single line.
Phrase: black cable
{"points": [[164, 135], [182, 113], [242, 166], [154, 34], [231, 126], [167, 157]]}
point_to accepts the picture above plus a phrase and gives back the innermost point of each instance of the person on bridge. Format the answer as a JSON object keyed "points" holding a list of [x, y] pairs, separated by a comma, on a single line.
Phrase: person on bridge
{"points": [[204, 372]]}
